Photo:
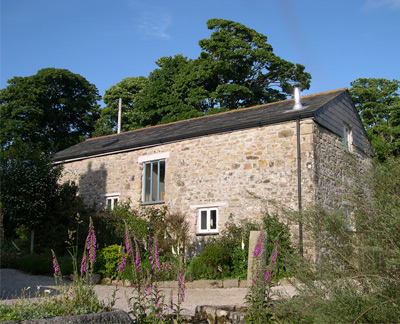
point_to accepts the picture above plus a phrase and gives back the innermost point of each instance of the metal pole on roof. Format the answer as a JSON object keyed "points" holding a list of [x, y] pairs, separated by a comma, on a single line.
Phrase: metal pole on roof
{"points": [[119, 115]]}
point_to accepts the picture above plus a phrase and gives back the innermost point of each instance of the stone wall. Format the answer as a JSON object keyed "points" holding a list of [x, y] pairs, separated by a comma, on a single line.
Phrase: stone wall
{"points": [[336, 169], [227, 171], [222, 170]]}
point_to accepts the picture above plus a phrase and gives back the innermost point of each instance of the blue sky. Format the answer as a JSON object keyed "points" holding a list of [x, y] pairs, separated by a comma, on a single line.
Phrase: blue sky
{"points": [[106, 41]]}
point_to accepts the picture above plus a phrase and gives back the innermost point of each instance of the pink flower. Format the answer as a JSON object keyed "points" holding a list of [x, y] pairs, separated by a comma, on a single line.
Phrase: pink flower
{"points": [[154, 261], [273, 258], [121, 263], [56, 267], [257, 250], [137, 261], [268, 275], [84, 263], [91, 243], [181, 283], [156, 257]]}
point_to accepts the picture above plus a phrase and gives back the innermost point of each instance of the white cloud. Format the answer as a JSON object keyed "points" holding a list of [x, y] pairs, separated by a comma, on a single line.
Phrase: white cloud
{"points": [[150, 20], [392, 4], [155, 24]]}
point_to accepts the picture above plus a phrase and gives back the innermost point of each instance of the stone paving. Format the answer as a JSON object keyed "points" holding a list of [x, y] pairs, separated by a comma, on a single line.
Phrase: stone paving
{"points": [[202, 292]]}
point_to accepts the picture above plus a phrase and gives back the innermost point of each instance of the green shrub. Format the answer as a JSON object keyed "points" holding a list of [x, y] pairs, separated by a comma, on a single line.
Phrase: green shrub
{"points": [[107, 261], [214, 256], [66, 265], [197, 270], [274, 227], [355, 277], [36, 264]]}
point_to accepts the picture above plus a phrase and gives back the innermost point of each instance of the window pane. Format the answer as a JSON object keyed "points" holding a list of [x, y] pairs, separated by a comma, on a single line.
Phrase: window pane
{"points": [[147, 183], [162, 177], [213, 219], [154, 182], [203, 220]]}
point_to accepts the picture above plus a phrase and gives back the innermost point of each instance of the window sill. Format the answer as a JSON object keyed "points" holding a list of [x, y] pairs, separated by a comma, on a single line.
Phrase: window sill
{"points": [[153, 203], [206, 233]]}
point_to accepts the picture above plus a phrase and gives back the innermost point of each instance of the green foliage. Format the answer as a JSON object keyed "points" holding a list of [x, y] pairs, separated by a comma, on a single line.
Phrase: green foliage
{"points": [[53, 109], [198, 270], [36, 264], [235, 241], [32, 198], [74, 299], [29, 184], [214, 256], [378, 103], [144, 224], [355, 277], [276, 228], [127, 90], [236, 68], [107, 261], [227, 256]]}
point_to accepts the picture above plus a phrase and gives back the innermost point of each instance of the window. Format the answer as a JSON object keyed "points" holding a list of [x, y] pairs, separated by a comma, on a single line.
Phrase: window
{"points": [[347, 139], [111, 201], [208, 220], [154, 183]]}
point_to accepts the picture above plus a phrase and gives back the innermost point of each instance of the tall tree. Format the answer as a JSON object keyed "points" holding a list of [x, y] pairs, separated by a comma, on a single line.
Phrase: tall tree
{"points": [[32, 197], [236, 68], [169, 94], [29, 184], [244, 69], [378, 103], [127, 90], [54, 109]]}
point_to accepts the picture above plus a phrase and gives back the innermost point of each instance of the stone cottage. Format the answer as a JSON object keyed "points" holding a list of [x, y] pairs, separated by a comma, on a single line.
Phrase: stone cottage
{"points": [[212, 167]]}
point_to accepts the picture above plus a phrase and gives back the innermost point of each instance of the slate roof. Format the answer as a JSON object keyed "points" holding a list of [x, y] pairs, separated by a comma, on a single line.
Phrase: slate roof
{"points": [[239, 119]]}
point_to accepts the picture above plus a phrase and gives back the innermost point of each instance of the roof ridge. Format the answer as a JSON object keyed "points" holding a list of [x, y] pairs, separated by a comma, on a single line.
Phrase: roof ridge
{"points": [[221, 113]]}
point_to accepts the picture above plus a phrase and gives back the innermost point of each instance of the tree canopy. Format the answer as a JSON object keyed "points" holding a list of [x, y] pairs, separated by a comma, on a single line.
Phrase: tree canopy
{"points": [[54, 109], [127, 90], [236, 68], [378, 103]]}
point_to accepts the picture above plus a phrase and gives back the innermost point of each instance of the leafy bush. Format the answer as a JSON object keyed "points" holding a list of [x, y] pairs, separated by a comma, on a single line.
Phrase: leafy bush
{"points": [[36, 264], [107, 261], [198, 270], [214, 256], [227, 256], [275, 227], [356, 275]]}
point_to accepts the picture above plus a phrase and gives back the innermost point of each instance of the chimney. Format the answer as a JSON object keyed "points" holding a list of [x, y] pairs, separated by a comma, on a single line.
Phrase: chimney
{"points": [[119, 115], [297, 98]]}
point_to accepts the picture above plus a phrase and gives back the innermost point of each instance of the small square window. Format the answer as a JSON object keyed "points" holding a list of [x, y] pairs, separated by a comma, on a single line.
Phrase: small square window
{"points": [[154, 181], [111, 202], [208, 220]]}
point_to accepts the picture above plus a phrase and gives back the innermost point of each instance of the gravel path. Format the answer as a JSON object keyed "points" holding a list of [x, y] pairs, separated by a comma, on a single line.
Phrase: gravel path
{"points": [[12, 282]]}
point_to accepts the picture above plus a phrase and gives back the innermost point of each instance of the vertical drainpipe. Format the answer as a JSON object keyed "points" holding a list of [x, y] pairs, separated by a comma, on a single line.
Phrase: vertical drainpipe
{"points": [[299, 186]]}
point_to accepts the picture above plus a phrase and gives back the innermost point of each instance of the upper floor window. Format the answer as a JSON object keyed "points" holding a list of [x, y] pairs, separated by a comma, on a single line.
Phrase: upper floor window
{"points": [[347, 139], [208, 220], [154, 181]]}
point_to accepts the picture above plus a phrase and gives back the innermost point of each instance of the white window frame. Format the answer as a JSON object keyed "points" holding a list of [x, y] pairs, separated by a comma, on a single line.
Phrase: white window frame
{"points": [[111, 200], [347, 140], [160, 190], [208, 213]]}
